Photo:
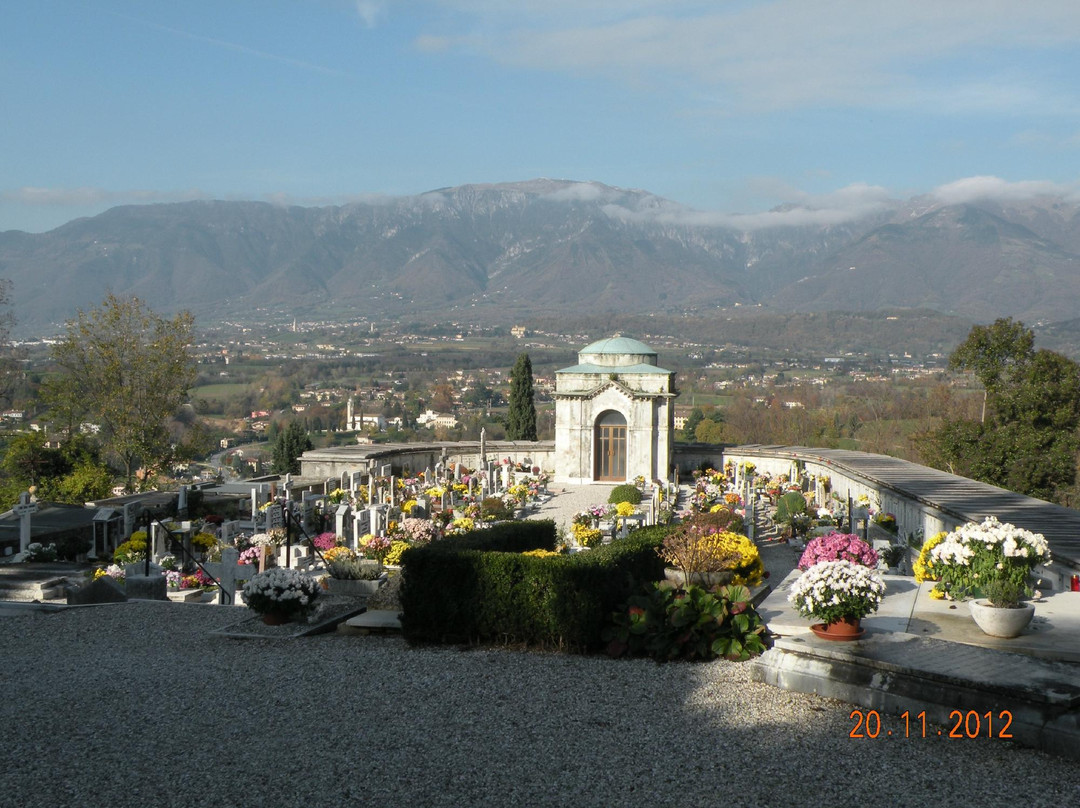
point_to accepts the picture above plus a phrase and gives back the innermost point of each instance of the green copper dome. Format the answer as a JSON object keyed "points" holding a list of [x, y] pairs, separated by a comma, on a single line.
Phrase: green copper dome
{"points": [[618, 345]]}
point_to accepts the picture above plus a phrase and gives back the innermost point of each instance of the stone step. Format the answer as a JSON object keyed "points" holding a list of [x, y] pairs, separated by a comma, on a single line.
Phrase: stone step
{"points": [[375, 621]]}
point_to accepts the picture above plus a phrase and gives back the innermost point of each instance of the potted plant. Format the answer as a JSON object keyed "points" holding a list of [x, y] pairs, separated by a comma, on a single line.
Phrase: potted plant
{"points": [[992, 563], [280, 594], [791, 512], [835, 547], [839, 593], [354, 576], [892, 555]]}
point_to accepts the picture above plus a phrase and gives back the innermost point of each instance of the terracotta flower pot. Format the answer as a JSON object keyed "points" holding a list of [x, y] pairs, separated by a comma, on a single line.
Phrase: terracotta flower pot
{"points": [[842, 630], [276, 619]]}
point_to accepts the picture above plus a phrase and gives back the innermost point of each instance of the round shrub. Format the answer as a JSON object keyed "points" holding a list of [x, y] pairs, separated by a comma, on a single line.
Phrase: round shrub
{"points": [[625, 493]]}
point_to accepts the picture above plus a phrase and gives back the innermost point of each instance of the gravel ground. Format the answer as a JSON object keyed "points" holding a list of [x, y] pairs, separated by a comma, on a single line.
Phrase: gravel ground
{"points": [[138, 705]]}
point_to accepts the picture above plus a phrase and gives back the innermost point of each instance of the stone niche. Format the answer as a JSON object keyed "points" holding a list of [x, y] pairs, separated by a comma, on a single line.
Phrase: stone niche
{"points": [[614, 415]]}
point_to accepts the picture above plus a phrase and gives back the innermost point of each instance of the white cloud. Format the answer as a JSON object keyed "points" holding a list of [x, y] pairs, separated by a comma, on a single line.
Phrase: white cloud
{"points": [[95, 196], [370, 12], [790, 53], [971, 189], [837, 207]]}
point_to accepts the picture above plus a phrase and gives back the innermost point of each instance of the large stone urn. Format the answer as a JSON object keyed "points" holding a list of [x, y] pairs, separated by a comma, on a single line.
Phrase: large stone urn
{"points": [[1000, 621]]}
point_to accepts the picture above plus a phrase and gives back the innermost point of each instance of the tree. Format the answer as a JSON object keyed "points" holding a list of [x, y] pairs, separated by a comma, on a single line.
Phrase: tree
{"points": [[72, 473], [1027, 437], [291, 442], [521, 417], [127, 370]]}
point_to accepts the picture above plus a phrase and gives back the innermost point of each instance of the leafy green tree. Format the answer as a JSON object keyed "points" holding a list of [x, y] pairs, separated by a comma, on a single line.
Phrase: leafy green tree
{"points": [[72, 473], [709, 431], [690, 428], [127, 370], [291, 442], [521, 417], [1027, 437]]}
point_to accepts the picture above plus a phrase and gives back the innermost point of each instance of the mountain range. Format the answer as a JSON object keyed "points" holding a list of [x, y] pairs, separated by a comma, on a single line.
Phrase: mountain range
{"points": [[508, 251]]}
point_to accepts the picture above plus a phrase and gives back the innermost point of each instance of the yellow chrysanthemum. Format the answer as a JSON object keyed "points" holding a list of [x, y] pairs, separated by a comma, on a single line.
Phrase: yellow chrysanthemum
{"points": [[923, 568]]}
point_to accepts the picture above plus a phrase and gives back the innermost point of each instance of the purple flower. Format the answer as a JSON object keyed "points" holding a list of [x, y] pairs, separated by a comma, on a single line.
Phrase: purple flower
{"points": [[838, 547], [324, 541]]}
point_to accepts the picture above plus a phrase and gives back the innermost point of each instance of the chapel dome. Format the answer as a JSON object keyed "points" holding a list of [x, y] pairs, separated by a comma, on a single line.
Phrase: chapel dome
{"points": [[617, 351]]}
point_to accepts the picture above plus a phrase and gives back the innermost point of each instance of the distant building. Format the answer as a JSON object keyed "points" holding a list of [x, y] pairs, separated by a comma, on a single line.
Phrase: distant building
{"points": [[434, 419], [518, 331], [357, 422]]}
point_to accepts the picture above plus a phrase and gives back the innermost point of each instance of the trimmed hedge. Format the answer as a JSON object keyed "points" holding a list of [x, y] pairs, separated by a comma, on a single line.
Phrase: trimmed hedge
{"points": [[480, 588], [625, 493]]}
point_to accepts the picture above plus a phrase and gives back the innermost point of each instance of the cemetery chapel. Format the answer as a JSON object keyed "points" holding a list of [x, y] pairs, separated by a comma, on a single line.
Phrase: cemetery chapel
{"points": [[614, 414]]}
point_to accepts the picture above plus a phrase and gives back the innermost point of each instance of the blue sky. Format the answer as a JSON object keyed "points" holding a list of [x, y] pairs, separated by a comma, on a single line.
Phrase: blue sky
{"points": [[728, 107]]}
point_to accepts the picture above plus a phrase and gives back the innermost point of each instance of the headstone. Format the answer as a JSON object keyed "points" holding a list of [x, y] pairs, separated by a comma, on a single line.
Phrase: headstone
{"points": [[103, 590], [342, 523], [145, 587]]}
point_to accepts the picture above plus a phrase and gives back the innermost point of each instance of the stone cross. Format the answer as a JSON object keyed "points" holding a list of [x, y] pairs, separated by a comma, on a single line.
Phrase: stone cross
{"points": [[23, 511], [228, 572]]}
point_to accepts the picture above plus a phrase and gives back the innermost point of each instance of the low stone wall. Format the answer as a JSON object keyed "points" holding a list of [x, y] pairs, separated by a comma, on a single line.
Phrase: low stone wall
{"points": [[923, 500]]}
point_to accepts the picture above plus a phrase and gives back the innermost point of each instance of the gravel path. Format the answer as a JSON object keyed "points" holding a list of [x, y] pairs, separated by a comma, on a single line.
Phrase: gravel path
{"points": [[138, 705]]}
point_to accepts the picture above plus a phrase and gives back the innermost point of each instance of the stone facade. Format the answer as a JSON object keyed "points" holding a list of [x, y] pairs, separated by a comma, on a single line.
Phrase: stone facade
{"points": [[614, 415]]}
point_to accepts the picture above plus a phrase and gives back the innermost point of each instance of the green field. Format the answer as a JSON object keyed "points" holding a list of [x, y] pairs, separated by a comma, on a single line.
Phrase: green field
{"points": [[218, 392]]}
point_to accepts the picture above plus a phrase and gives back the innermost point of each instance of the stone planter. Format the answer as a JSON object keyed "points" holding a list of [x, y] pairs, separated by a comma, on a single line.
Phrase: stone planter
{"points": [[707, 579], [354, 587], [1001, 622]]}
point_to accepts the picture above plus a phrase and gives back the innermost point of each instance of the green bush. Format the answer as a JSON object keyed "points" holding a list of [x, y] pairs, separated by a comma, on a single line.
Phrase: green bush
{"points": [[692, 624], [480, 588], [131, 551], [625, 493]]}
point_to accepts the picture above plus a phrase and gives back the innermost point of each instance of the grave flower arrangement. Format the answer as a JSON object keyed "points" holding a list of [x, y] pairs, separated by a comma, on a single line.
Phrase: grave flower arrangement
{"points": [[324, 541], [990, 555], [460, 526], [337, 552], [114, 571], [837, 590], [375, 547], [281, 592], [586, 536], [419, 531], [249, 556], [204, 542], [836, 547], [354, 569], [35, 551], [393, 555]]}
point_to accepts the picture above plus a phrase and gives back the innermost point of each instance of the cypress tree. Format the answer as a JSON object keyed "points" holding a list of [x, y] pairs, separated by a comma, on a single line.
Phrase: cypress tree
{"points": [[291, 442], [521, 419]]}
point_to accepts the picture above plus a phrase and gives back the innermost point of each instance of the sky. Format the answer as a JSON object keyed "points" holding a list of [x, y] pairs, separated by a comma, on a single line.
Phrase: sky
{"points": [[728, 107]]}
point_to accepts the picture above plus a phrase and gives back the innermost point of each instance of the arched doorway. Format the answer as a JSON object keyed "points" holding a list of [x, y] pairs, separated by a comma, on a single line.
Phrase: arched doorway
{"points": [[609, 445]]}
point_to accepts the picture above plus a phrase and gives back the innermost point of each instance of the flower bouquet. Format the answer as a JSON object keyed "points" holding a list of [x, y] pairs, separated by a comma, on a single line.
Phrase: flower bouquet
{"points": [[837, 591], [977, 559], [836, 547], [281, 593]]}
